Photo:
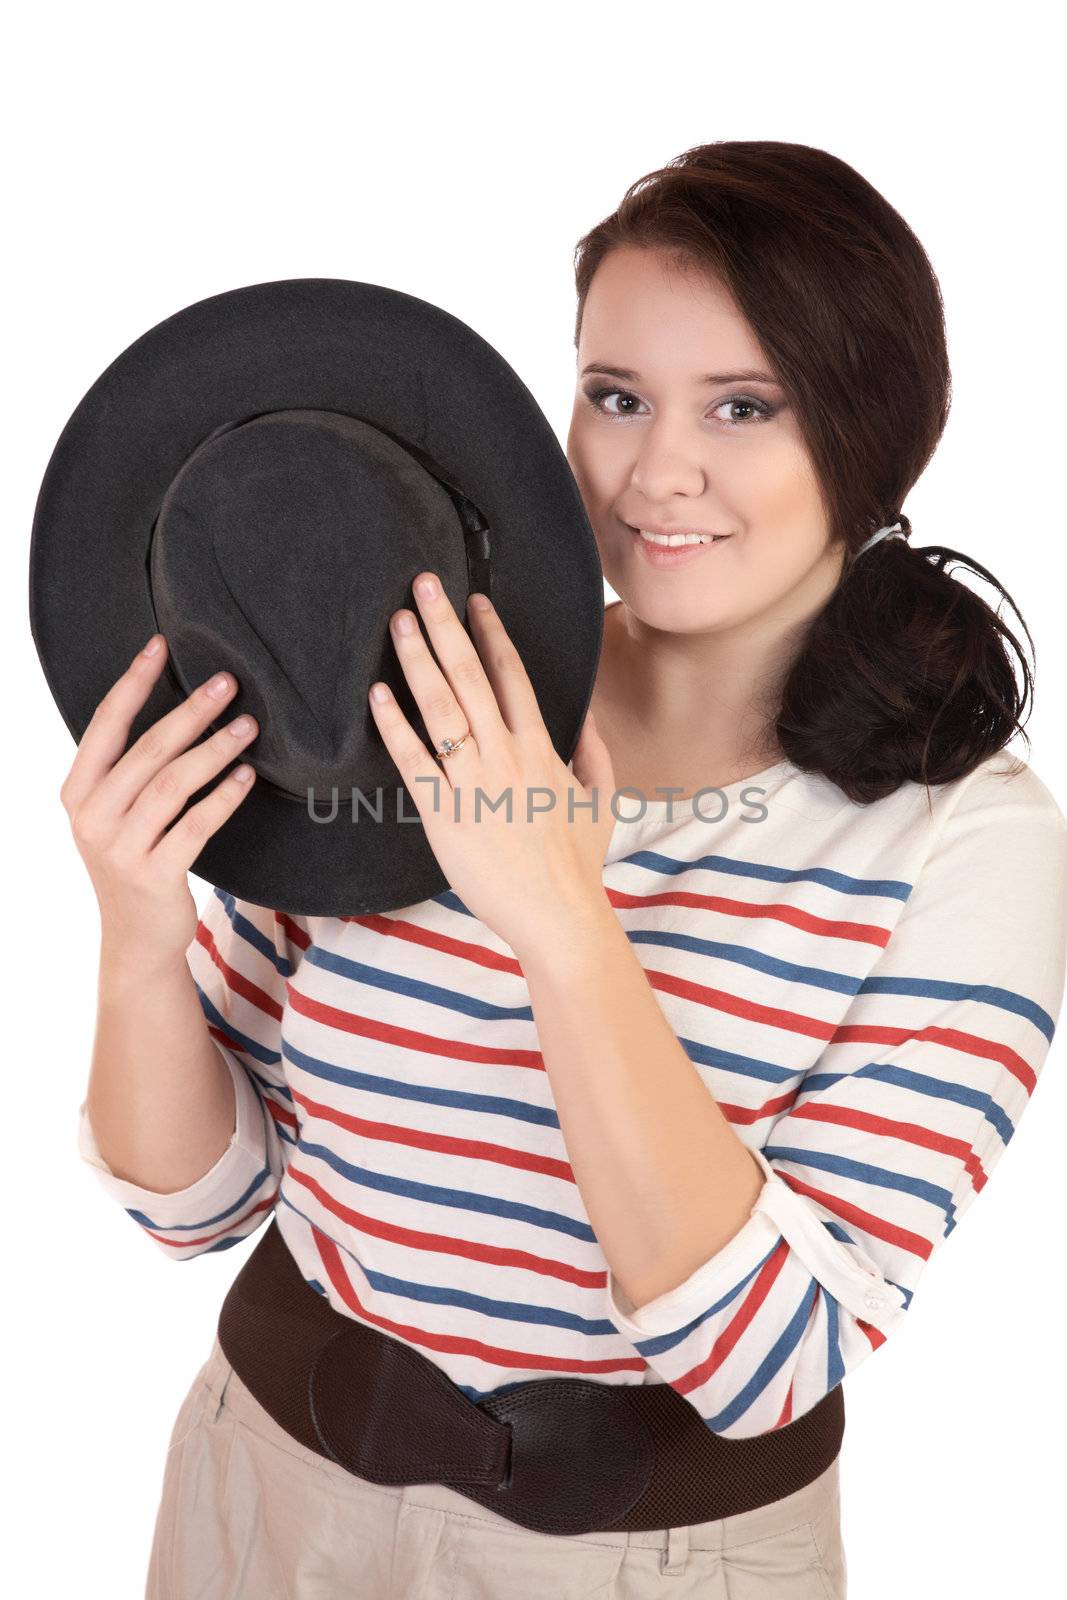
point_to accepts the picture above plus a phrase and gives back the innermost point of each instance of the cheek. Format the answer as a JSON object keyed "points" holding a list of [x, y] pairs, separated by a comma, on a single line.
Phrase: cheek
{"points": [[775, 484]]}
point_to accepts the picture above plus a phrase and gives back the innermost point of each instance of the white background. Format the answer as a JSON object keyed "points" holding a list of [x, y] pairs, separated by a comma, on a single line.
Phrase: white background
{"points": [[156, 155]]}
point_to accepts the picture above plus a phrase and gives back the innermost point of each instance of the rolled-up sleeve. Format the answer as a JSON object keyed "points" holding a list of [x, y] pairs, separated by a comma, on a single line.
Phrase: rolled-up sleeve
{"points": [[895, 1129], [241, 959]]}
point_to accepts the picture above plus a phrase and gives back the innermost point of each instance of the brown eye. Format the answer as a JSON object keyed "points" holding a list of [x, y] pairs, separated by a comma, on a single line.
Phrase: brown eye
{"points": [[597, 397], [759, 409]]}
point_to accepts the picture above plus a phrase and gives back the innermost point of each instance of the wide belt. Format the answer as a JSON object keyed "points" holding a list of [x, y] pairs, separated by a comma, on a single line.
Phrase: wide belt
{"points": [[558, 1455]]}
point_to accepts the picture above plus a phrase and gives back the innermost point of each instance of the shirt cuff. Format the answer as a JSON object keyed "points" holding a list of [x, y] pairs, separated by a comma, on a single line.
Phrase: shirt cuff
{"points": [[845, 1271], [243, 1158]]}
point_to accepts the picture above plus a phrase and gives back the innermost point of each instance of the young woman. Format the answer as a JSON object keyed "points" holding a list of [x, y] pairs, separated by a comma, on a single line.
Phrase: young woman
{"points": [[687, 1091]]}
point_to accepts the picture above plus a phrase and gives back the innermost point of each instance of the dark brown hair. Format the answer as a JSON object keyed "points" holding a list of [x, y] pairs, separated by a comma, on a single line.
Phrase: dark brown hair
{"points": [[905, 674]]}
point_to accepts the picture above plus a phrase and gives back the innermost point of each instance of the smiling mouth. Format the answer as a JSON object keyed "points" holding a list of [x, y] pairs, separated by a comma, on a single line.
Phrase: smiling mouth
{"points": [[676, 541]]}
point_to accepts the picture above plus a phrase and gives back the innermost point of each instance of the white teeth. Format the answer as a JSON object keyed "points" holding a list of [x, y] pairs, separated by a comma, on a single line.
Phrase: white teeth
{"points": [[668, 540]]}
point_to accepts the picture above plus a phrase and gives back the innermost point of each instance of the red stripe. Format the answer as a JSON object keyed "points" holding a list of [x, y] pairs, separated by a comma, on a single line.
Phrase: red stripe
{"points": [[410, 1038], [972, 1044], [497, 1355], [733, 1005], [209, 1238], [824, 927], [236, 981], [730, 1336], [291, 930], [910, 1132], [283, 1115], [444, 1144], [442, 1244], [877, 1226], [431, 939]]}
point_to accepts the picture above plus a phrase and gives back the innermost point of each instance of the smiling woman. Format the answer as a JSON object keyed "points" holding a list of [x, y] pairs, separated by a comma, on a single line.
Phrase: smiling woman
{"points": [[661, 1121], [762, 355]]}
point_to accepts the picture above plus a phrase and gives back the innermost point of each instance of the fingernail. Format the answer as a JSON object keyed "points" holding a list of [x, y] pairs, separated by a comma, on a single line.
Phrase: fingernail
{"points": [[152, 646], [481, 602], [218, 686]]}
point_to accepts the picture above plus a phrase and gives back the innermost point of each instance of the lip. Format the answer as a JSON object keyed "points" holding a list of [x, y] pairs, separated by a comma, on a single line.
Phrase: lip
{"points": [[681, 555]]}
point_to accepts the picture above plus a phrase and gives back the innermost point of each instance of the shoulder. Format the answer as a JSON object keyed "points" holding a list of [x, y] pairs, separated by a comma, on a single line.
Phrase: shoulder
{"points": [[1005, 786], [995, 870], [1003, 797], [1003, 817], [989, 846]]}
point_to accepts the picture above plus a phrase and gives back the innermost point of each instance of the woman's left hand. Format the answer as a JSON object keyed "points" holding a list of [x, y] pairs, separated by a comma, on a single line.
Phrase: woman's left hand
{"points": [[525, 876]]}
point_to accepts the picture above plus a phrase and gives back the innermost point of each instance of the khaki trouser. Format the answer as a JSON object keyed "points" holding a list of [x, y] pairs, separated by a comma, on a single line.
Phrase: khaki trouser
{"points": [[246, 1513]]}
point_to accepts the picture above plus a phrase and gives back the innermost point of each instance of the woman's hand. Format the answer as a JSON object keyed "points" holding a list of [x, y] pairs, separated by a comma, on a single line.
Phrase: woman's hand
{"points": [[526, 874], [120, 805]]}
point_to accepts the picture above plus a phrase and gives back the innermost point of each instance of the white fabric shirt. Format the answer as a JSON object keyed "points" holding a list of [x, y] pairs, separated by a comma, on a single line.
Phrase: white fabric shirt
{"points": [[869, 992]]}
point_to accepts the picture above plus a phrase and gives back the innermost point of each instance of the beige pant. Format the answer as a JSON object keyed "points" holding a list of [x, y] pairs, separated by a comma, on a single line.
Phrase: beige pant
{"points": [[246, 1513]]}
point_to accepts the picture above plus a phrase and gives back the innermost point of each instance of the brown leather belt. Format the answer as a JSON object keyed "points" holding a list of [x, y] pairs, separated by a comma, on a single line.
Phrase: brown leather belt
{"points": [[558, 1455]]}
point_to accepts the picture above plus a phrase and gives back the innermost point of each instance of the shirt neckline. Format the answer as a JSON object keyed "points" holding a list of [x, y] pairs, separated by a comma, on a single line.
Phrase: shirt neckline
{"points": [[661, 810]]}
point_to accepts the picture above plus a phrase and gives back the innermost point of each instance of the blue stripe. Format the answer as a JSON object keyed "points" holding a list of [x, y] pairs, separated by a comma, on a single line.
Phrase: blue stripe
{"points": [[744, 955], [268, 1085], [862, 1172], [836, 1231], [775, 1358], [886, 888], [246, 930], [459, 1199], [923, 1083], [658, 1343], [372, 1083], [244, 1041], [835, 1365], [416, 988], [208, 1222], [982, 993]]}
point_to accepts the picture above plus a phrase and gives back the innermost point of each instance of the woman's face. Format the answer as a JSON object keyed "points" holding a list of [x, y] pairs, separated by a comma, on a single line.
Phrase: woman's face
{"points": [[685, 434]]}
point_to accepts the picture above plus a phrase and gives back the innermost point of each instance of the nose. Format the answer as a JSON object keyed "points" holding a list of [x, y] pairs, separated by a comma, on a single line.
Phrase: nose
{"points": [[666, 466]]}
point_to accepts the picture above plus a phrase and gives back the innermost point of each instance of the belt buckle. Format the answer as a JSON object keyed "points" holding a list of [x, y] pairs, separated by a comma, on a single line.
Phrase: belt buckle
{"points": [[580, 1456], [558, 1455]]}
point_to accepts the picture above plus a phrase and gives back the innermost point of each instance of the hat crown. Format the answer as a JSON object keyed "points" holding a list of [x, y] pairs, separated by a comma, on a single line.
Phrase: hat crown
{"points": [[281, 548]]}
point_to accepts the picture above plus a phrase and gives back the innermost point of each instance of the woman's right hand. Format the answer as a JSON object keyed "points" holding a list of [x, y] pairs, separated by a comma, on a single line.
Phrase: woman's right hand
{"points": [[121, 803]]}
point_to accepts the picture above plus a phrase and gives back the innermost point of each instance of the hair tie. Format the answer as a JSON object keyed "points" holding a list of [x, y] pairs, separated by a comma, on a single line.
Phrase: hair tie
{"points": [[894, 530]]}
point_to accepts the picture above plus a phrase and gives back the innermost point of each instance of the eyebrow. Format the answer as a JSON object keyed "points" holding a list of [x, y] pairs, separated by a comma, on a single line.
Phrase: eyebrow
{"points": [[751, 375]]}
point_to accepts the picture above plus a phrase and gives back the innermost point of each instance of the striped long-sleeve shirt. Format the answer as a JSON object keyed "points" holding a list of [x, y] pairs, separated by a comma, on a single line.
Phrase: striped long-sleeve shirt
{"points": [[869, 992]]}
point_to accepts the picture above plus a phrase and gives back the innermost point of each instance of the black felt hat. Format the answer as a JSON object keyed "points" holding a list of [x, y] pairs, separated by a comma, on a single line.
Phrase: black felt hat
{"points": [[260, 478]]}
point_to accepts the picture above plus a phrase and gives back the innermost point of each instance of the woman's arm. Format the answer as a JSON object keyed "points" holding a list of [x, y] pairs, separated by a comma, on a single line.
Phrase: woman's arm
{"points": [[160, 1100], [889, 1139], [152, 1061], [664, 1179]]}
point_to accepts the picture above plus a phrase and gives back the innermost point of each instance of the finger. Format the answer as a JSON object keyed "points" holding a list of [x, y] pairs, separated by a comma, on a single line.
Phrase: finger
{"points": [[173, 733], [460, 664], [513, 692], [108, 731], [442, 713], [180, 845], [163, 796], [421, 774]]}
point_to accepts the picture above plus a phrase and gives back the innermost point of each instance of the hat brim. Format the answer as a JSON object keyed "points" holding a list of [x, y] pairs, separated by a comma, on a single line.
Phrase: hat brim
{"points": [[369, 352]]}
